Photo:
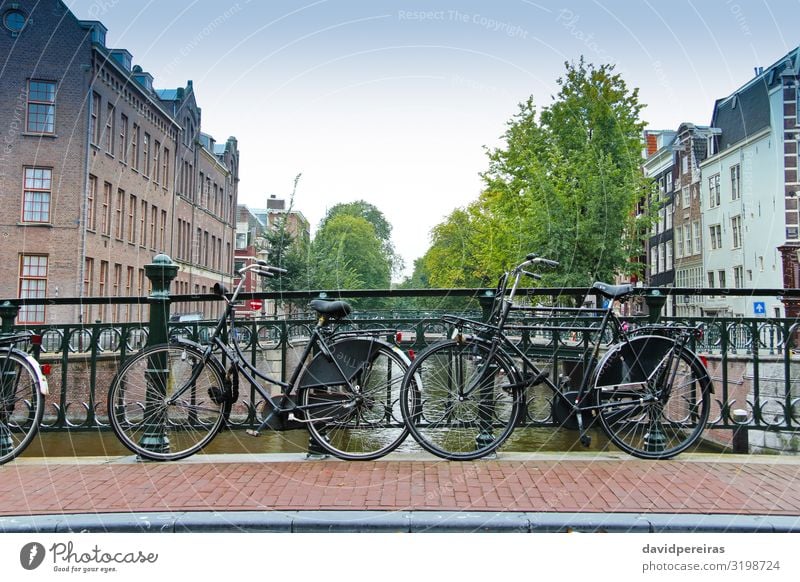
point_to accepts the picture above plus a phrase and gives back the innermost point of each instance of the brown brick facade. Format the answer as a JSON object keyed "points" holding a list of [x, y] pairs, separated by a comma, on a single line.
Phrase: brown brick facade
{"points": [[109, 168]]}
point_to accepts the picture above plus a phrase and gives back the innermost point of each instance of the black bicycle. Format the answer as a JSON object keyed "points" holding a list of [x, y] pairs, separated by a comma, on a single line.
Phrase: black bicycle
{"points": [[23, 387], [169, 401], [462, 397]]}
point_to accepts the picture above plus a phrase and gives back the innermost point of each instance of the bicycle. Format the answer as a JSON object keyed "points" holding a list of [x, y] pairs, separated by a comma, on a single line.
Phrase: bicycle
{"points": [[169, 401], [23, 387], [462, 397]]}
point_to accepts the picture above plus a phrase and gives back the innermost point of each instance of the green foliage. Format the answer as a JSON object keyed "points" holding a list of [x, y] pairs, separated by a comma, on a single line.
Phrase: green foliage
{"points": [[347, 254], [370, 213], [565, 185]]}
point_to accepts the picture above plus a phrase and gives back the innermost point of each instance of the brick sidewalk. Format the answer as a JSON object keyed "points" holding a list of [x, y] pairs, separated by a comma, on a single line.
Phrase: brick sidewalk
{"points": [[719, 485]]}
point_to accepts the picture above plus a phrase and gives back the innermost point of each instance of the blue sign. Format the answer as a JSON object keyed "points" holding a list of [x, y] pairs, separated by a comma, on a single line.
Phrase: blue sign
{"points": [[759, 308]]}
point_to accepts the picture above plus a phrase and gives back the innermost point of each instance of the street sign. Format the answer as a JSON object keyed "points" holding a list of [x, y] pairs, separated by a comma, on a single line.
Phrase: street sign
{"points": [[759, 308], [256, 304]]}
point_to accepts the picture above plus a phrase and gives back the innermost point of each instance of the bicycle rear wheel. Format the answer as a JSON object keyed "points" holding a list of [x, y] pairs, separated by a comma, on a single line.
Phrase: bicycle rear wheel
{"points": [[659, 397], [362, 423], [457, 401], [142, 411], [21, 405]]}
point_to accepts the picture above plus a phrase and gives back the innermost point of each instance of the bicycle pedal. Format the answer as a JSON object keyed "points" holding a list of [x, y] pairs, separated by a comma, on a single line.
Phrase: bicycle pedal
{"points": [[586, 440], [252, 433]]}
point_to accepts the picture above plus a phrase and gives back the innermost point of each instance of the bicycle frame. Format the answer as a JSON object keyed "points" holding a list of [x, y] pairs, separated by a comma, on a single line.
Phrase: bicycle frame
{"points": [[238, 363], [494, 332]]}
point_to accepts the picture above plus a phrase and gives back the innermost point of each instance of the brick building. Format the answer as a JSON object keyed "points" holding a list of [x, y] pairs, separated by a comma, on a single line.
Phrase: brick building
{"points": [[99, 171]]}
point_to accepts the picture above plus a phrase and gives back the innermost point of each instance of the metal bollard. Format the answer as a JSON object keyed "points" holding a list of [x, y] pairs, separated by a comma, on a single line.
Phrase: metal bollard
{"points": [[741, 438]]}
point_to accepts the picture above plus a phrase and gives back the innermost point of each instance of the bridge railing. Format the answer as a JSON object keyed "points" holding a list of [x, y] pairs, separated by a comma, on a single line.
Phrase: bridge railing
{"points": [[753, 363]]}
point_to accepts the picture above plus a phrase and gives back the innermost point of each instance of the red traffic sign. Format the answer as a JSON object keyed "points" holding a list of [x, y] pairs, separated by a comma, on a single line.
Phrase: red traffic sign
{"points": [[256, 304]]}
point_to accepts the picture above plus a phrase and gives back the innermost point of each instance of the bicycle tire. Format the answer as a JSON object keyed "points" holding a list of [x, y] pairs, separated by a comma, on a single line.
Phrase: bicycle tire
{"points": [[663, 427], [143, 418], [466, 427], [21, 404], [360, 426]]}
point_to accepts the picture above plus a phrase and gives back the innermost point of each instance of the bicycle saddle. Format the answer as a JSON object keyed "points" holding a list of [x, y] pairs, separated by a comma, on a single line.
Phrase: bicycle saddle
{"points": [[613, 291], [333, 309]]}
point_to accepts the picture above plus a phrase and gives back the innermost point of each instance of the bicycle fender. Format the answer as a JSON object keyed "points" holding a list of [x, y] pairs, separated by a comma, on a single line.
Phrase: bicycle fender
{"points": [[646, 347], [44, 387], [350, 355]]}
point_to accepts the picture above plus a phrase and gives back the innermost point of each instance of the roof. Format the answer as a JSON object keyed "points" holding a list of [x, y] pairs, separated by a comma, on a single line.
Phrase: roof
{"points": [[167, 94], [746, 111]]}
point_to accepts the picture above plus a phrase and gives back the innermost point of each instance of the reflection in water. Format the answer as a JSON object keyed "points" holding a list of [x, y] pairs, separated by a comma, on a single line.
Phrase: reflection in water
{"points": [[96, 443]]}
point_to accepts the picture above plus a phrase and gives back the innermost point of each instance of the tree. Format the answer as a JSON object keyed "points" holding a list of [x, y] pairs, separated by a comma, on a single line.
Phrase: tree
{"points": [[347, 254], [565, 185], [370, 213]]}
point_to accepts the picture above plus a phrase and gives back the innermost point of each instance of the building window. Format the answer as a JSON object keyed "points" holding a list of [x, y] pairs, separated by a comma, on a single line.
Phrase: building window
{"points": [[157, 162], [105, 217], [662, 258], [132, 219], [135, 147], [713, 191], [15, 20], [143, 224], [668, 250], [736, 182], [669, 182], [715, 232], [88, 287], [41, 107], [117, 310], [679, 242], [102, 287], [736, 229], [165, 169], [163, 234], [687, 200], [36, 195], [93, 121], [146, 154], [721, 278], [32, 285], [123, 138], [698, 241], [685, 164], [241, 241], [669, 211], [711, 279], [738, 277], [119, 214], [687, 240], [90, 201], [110, 132], [153, 222]]}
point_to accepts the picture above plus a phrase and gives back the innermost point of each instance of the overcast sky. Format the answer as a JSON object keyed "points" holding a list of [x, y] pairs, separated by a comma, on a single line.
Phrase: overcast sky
{"points": [[394, 102]]}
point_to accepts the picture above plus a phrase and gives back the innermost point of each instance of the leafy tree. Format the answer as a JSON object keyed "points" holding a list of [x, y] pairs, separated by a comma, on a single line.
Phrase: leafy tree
{"points": [[565, 185], [347, 253], [370, 213]]}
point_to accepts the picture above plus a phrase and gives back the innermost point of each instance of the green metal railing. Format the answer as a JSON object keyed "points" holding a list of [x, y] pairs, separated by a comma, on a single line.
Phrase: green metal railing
{"points": [[752, 361]]}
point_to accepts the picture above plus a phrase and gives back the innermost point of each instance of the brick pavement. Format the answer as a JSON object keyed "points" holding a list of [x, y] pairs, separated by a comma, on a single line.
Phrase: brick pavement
{"points": [[691, 485]]}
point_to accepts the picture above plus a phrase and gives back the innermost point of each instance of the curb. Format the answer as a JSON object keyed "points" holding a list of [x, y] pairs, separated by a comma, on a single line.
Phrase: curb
{"points": [[396, 522]]}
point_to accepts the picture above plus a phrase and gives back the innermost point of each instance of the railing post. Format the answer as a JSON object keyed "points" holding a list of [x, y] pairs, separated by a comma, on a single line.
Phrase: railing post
{"points": [[8, 313], [160, 272], [741, 438], [655, 302]]}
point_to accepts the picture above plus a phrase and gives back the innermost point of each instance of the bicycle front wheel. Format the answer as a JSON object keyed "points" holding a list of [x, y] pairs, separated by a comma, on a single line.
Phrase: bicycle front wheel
{"points": [[655, 397], [360, 421], [164, 403], [458, 401], [21, 405]]}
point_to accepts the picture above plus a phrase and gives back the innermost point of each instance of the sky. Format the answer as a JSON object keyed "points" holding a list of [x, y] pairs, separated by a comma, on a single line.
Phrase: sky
{"points": [[395, 102]]}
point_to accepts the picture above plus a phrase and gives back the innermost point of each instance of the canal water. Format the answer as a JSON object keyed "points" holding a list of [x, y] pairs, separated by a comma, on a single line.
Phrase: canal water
{"points": [[101, 443]]}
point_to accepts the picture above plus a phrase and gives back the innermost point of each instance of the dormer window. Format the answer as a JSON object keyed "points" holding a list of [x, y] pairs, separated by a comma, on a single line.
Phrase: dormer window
{"points": [[15, 20]]}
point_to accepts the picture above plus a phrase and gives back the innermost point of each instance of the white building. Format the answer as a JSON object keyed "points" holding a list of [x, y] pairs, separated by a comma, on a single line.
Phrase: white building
{"points": [[743, 197]]}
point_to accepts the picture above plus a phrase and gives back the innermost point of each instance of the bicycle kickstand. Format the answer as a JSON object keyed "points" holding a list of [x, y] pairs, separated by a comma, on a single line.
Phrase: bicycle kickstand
{"points": [[585, 439], [262, 426]]}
